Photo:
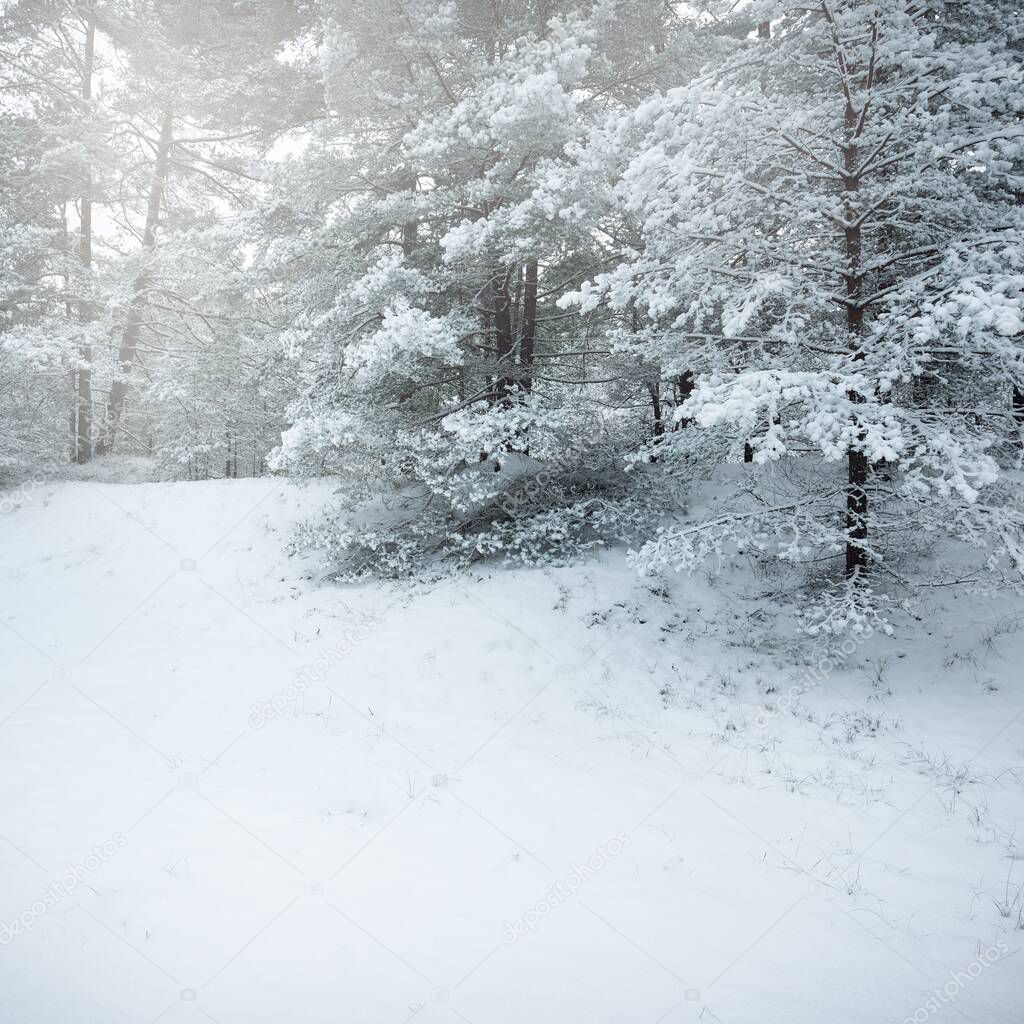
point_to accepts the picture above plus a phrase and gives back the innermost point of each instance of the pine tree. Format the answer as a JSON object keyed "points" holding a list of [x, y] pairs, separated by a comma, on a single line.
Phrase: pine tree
{"points": [[432, 260], [832, 244]]}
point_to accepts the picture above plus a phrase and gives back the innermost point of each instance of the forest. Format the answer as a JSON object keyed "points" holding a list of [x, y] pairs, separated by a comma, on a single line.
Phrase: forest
{"points": [[534, 268], [429, 340]]}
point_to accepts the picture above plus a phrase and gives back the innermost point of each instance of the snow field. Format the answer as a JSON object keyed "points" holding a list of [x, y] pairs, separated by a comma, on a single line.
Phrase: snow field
{"points": [[228, 793]]}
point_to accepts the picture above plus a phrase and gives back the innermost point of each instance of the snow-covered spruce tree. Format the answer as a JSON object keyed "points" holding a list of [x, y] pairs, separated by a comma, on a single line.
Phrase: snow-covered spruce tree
{"points": [[426, 277], [832, 248]]}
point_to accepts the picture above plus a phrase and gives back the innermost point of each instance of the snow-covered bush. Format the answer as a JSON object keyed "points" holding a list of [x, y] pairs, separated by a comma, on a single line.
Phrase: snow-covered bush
{"points": [[513, 483]]}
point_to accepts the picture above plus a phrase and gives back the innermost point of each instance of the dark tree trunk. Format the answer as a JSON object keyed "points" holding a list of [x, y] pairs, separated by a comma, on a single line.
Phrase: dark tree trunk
{"points": [[856, 460], [856, 512], [134, 321], [503, 340], [528, 338], [654, 390], [684, 388]]}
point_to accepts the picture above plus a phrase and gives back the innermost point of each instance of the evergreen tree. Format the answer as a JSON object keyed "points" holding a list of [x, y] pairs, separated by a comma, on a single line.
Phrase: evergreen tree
{"points": [[831, 243]]}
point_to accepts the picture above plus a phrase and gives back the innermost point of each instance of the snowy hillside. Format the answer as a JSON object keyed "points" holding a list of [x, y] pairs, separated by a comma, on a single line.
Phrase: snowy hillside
{"points": [[229, 793]]}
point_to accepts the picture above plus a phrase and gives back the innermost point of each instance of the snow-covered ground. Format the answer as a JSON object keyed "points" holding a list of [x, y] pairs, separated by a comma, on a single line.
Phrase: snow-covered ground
{"points": [[229, 793]]}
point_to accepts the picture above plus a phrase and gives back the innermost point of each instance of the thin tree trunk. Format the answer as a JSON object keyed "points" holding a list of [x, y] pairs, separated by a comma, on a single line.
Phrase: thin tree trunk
{"points": [[503, 341], [1018, 413], [73, 410], [528, 338], [73, 416], [517, 305], [764, 31], [654, 390], [84, 439], [856, 460], [133, 324], [684, 388]]}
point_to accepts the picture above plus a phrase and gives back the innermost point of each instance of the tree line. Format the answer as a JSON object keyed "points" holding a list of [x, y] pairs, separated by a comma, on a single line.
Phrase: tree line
{"points": [[533, 277]]}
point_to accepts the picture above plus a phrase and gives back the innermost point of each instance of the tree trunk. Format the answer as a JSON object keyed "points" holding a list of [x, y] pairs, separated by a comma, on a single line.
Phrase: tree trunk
{"points": [[134, 321], [684, 388], [654, 390], [856, 459], [503, 341], [528, 338], [73, 379], [764, 31], [83, 438]]}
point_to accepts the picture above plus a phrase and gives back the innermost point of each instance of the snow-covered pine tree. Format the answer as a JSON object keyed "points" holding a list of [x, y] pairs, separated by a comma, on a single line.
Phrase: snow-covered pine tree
{"points": [[832, 246], [91, 98], [203, 97], [428, 271]]}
